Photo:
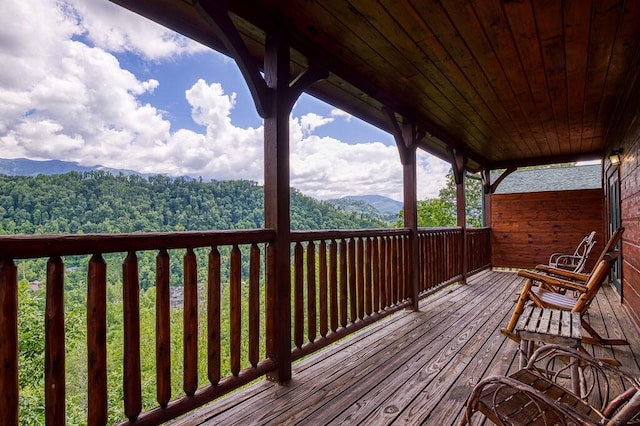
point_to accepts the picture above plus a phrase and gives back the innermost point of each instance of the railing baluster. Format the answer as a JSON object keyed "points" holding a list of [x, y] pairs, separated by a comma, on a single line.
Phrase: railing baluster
{"points": [[97, 341], [163, 329], [367, 277], [375, 272], [352, 279], [383, 273], [392, 277], [324, 327], [343, 282], [254, 305], [190, 323], [8, 342], [213, 316], [54, 358], [235, 275], [360, 276], [311, 291], [131, 301], [298, 296], [333, 284]]}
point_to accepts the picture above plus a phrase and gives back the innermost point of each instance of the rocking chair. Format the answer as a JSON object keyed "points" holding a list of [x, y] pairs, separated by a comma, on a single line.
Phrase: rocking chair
{"points": [[574, 262], [581, 277], [538, 395], [545, 295]]}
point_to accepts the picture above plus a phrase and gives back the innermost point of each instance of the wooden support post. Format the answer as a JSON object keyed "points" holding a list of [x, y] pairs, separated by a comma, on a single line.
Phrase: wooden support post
{"points": [[459, 165], [274, 96], [407, 138], [283, 93], [486, 197], [276, 203]]}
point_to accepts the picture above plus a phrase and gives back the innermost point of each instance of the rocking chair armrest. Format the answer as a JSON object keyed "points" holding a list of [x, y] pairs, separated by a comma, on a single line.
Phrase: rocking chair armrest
{"points": [[563, 273], [544, 402], [556, 282]]}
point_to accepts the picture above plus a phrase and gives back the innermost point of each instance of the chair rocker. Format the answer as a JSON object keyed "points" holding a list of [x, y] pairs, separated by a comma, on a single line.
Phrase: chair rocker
{"points": [[538, 395], [574, 262], [545, 295]]}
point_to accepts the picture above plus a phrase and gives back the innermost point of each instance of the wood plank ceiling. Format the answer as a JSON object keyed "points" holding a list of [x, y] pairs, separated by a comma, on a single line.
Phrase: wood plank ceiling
{"points": [[505, 82]]}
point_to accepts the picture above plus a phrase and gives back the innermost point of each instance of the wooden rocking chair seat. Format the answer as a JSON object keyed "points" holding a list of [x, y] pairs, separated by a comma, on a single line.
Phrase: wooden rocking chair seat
{"points": [[536, 395], [553, 300]]}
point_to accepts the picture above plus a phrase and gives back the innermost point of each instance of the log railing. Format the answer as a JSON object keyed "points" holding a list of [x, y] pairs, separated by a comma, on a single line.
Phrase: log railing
{"points": [[345, 280], [341, 281], [478, 249], [196, 390]]}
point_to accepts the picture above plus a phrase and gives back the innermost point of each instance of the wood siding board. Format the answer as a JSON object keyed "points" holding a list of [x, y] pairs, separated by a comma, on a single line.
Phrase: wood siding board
{"points": [[524, 235], [467, 22], [606, 17], [616, 92], [448, 48], [577, 21], [516, 94], [523, 27], [440, 69], [550, 29]]}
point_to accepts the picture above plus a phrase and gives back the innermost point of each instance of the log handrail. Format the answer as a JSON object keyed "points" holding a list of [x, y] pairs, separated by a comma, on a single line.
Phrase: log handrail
{"points": [[36, 246], [342, 281]]}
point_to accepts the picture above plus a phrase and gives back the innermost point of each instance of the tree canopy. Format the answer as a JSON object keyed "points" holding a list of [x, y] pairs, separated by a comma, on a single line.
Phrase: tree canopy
{"points": [[441, 211]]}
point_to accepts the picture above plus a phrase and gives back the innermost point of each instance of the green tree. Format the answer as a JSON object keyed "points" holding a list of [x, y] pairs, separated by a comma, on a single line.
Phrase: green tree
{"points": [[441, 211]]}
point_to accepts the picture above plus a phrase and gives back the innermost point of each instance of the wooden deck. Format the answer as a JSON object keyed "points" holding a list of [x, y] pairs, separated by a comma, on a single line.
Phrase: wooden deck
{"points": [[412, 367]]}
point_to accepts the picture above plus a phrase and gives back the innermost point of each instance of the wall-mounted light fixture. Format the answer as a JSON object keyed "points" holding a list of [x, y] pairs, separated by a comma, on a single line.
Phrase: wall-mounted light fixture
{"points": [[615, 156]]}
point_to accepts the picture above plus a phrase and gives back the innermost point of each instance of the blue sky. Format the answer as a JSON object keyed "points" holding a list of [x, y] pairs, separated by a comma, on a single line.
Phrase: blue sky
{"points": [[94, 83]]}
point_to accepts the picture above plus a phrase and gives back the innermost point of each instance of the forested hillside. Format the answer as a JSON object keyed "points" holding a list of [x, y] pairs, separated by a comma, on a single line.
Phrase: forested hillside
{"points": [[97, 201]]}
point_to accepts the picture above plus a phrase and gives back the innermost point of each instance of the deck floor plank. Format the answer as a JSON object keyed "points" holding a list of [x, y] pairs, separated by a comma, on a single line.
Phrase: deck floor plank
{"points": [[411, 367]]}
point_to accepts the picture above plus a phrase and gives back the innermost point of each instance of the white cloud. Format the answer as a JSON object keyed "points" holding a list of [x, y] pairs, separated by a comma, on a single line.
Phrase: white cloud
{"points": [[132, 33], [61, 98], [341, 114]]}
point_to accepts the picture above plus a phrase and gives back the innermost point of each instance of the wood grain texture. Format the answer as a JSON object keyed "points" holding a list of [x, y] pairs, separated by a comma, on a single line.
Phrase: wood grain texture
{"points": [[528, 228], [411, 368]]}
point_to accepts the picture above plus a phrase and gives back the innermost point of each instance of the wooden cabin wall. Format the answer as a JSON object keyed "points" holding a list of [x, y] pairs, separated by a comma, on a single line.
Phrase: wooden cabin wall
{"points": [[528, 227], [625, 134]]}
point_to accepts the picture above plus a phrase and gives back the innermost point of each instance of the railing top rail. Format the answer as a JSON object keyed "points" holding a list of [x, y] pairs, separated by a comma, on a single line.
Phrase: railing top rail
{"points": [[35, 246], [440, 229], [334, 234]]}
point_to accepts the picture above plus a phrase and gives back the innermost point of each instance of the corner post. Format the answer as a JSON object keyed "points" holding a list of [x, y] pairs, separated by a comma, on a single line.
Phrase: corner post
{"points": [[486, 197], [459, 165]]}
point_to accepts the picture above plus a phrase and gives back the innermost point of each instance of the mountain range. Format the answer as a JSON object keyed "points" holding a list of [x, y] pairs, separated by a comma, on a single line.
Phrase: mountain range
{"points": [[376, 206]]}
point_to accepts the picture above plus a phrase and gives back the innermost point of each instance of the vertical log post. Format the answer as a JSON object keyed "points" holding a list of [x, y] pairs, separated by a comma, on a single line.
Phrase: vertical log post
{"points": [[190, 323], [8, 342], [131, 301], [407, 137], [459, 165], [54, 358], [97, 341], [281, 95], [486, 197], [213, 316], [254, 305], [163, 329], [235, 320]]}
